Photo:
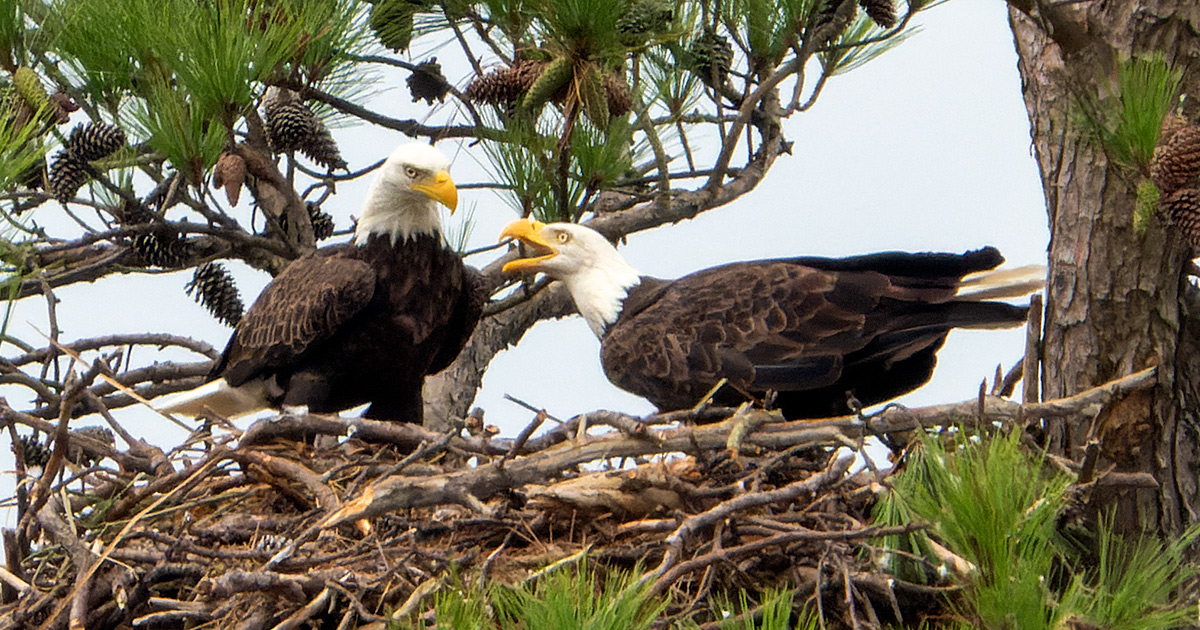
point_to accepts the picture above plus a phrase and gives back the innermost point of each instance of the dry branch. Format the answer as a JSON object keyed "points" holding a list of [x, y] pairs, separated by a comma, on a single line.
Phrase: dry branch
{"points": [[241, 531]]}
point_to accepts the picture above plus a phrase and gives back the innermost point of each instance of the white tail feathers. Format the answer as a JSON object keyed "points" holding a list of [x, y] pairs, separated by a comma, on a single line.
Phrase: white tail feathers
{"points": [[217, 397], [1003, 283]]}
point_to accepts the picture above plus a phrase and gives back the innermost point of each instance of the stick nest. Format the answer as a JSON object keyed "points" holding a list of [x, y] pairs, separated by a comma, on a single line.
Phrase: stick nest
{"points": [[323, 521]]}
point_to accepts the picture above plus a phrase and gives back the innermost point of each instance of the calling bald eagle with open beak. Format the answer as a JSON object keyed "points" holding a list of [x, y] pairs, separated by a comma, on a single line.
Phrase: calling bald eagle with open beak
{"points": [[529, 233]]}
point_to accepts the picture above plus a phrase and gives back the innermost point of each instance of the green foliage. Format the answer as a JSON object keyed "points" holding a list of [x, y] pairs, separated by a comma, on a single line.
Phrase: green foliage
{"points": [[676, 92], [456, 609], [214, 57], [1129, 124], [20, 148], [518, 159], [12, 25], [857, 46], [1135, 584], [1146, 207], [173, 124], [577, 599], [527, 161], [775, 614], [772, 27], [996, 506], [582, 29], [512, 16]]}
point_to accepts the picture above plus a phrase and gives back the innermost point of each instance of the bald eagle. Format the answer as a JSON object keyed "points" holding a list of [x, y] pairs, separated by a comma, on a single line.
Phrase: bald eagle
{"points": [[359, 322], [813, 331]]}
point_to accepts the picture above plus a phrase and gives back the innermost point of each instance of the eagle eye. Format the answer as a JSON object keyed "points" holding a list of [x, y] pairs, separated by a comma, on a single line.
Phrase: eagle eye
{"points": [[410, 171], [563, 237]]}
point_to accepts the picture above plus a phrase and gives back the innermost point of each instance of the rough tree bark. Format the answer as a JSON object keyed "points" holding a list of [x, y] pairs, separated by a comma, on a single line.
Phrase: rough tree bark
{"points": [[1117, 300]]}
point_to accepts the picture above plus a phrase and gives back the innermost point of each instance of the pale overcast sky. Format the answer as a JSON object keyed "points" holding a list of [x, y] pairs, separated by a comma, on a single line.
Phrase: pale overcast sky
{"points": [[926, 148]]}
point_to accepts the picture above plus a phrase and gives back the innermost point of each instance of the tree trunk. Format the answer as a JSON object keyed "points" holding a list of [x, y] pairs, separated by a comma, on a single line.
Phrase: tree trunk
{"points": [[1117, 300]]}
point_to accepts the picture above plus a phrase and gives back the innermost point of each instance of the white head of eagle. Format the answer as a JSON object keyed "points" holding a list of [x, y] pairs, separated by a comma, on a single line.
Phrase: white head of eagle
{"points": [[402, 198], [596, 275]]}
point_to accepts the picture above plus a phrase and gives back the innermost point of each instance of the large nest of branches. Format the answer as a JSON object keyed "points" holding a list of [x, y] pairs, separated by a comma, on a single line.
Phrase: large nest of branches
{"points": [[344, 522]]}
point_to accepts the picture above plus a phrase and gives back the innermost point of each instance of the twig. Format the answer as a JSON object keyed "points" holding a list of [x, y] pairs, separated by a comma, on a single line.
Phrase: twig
{"points": [[790, 492], [309, 611], [523, 437]]}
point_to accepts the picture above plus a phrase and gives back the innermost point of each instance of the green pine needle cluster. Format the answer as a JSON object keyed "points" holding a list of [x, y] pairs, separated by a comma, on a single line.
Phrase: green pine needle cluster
{"points": [[997, 507], [772, 27], [206, 62], [571, 597], [846, 54], [528, 162], [774, 613], [1129, 123]]}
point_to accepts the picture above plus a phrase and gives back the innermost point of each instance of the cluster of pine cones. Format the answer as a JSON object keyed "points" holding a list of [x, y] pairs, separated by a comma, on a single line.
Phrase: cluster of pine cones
{"points": [[530, 83], [87, 143], [1175, 169]]}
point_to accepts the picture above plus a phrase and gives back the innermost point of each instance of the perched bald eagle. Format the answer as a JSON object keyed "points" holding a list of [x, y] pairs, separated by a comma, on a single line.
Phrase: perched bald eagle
{"points": [[360, 322], [812, 330]]}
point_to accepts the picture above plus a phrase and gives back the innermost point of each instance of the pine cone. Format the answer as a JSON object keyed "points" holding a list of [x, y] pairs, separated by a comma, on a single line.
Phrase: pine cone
{"points": [[322, 222], [883, 12], [1176, 162], [505, 85], [135, 213], [156, 249], [428, 83], [1171, 123], [711, 57], [35, 453], [643, 20], [1183, 207], [289, 125], [94, 141], [230, 173], [29, 86], [212, 285], [620, 100], [321, 148], [67, 175]]}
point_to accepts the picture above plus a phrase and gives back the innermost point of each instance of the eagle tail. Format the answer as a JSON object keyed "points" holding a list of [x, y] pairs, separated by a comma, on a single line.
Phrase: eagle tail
{"points": [[999, 284], [217, 397]]}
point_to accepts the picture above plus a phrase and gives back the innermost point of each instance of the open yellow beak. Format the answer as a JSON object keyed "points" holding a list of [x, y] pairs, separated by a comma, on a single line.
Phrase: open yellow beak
{"points": [[529, 233], [440, 188]]}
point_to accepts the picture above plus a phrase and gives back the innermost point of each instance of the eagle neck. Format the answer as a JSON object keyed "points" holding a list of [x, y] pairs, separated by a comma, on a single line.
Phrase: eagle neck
{"points": [[397, 213], [600, 290]]}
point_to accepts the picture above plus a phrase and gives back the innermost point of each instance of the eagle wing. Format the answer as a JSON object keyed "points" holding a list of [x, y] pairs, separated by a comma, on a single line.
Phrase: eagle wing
{"points": [[303, 306], [467, 312], [746, 322], [808, 328]]}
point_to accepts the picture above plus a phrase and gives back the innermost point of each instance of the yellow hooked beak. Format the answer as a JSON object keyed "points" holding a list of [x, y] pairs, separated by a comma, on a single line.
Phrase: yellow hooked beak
{"points": [[528, 232], [440, 188]]}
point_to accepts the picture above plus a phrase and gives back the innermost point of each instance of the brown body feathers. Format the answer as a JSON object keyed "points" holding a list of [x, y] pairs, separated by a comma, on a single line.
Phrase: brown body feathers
{"points": [[350, 324]]}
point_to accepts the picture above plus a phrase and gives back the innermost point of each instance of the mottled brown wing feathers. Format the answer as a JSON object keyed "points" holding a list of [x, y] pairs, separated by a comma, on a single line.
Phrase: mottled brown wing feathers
{"points": [[467, 312], [302, 306], [798, 325], [721, 323]]}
